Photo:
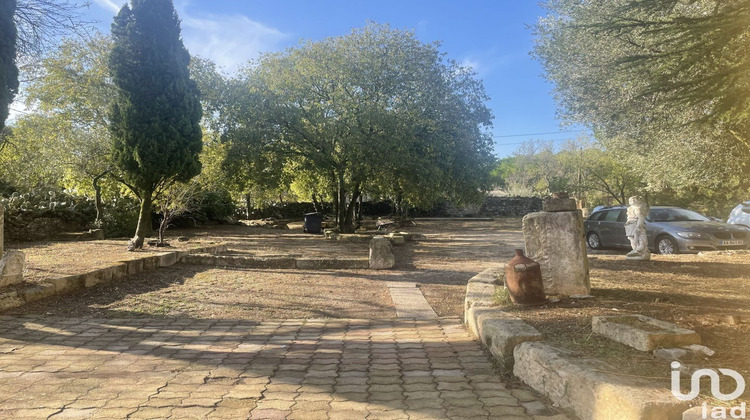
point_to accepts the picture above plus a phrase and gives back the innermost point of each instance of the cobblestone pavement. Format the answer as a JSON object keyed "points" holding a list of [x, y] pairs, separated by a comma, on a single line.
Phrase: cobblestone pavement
{"points": [[298, 369]]}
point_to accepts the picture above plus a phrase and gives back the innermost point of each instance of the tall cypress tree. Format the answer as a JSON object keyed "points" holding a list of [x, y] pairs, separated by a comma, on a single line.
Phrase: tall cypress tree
{"points": [[155, 117], [8, 69]]}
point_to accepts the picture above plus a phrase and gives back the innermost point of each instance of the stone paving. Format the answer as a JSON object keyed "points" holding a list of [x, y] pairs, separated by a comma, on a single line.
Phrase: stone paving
{"points": [[409, 301], [296, 369]]}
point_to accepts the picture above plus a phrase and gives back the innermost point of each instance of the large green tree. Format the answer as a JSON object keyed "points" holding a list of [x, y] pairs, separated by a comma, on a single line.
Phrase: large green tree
{"points": [[155, 118], [376, 111], [665, 83], [8, 69]]}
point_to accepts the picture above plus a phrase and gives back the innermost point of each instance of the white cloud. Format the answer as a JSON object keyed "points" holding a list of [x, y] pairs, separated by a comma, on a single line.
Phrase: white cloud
{"points": [[109, 5], [471, 63], [229, 41]]}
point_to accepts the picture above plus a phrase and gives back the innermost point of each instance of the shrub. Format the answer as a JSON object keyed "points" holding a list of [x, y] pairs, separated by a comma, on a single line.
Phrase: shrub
{"points": [[120, 217]]}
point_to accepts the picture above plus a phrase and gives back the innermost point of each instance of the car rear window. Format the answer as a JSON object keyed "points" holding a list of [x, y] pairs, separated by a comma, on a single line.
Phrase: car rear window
{"points": [[612, 215]]}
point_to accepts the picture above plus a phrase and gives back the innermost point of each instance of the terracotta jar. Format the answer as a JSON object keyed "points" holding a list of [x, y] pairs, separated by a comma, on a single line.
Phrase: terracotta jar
{"points": [[523, 279]]}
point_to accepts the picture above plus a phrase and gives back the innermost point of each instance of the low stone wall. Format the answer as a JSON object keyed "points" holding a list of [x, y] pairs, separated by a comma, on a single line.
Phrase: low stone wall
{"points": [[499, 331], [589, 387], [289, 262], [117, 271]]}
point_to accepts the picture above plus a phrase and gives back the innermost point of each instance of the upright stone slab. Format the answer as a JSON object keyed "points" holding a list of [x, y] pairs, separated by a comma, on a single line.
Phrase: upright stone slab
{"points": [[2, 230], [556, 240], [11, 263], [381, 253]]}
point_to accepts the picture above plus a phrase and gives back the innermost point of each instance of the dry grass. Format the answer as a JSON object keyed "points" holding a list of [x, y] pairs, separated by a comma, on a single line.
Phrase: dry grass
{"points": [[55, 259], [693, 291]]}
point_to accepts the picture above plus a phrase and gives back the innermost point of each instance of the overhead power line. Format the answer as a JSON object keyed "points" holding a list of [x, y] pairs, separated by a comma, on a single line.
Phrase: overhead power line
{"points": [[537, 134], [522, 142]]}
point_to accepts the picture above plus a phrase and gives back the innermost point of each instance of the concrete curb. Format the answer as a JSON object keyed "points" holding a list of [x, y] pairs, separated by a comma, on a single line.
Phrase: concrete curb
{"points": [[106, 274], [583, 385]]}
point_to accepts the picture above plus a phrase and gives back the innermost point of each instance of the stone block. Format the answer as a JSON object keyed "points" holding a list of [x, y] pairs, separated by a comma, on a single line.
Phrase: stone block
{"points": [[67, 283], [556, 241], [503, 332], [354, 237], [642, 332], [105, 275], [11, 267], [38, 292], [332, 264], [10, 299], [150, 263], [97, 234], [479, 294], [396, 239], [559, 204], [381, 254], [167, 258], [133, 266], [584, 386]]}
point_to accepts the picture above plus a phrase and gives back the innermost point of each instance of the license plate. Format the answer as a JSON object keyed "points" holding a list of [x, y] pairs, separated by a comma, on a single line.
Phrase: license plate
{"points": [[731, 243]]}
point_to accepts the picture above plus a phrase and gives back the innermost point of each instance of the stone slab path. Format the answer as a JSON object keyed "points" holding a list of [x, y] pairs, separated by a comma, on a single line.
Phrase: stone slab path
{"points": [[297, 369], [409, 301]]}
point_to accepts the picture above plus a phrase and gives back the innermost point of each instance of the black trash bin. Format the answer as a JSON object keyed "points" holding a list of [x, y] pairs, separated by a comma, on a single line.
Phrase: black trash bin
{"points": [[313, 223]]}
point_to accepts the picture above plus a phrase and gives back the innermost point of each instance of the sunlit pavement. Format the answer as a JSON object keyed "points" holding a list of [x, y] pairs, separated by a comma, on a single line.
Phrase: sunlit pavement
{"points": [[306, 369]]}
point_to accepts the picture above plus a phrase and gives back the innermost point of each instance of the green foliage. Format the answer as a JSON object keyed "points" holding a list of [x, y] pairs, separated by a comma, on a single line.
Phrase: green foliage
{"points": [[211, 206], [583, 168], [155, 118], [31, 158], [374, 112], [8, 69], [49, 204], [120, 217], [663, 83]]}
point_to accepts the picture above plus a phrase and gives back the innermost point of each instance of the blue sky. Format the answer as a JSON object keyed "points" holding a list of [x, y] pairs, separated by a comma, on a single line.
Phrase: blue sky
{"points": [[493, 37]]}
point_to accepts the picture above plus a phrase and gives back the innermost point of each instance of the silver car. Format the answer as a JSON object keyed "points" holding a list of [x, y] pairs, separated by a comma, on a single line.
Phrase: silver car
{"points": [[670, 230], [740, 215]]}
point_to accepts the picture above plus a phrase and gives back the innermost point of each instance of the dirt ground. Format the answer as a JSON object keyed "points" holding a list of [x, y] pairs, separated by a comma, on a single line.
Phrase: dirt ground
{"points": [[451, 254], [699, 292], [694, 291]]}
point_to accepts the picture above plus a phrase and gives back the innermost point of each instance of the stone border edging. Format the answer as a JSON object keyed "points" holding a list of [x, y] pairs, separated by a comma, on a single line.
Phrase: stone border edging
{"points": [[583, 385], [116, 271], [586, 386], [499, 331], [277, 262]]}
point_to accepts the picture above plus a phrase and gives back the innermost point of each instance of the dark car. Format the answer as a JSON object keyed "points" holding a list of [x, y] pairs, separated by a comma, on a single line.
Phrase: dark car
{"points": [[670, 230]]}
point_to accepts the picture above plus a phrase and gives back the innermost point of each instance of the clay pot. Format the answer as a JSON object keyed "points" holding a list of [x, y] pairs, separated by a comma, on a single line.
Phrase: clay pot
{"points": [[523, 279]]}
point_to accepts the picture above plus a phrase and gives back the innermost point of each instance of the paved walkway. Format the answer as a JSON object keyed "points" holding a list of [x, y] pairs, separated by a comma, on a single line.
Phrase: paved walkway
{"points": [[409, 301], [307, 369]]}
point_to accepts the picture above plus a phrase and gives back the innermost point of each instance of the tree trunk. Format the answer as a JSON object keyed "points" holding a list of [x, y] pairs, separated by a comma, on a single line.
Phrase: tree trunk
{"points": [[348, 224], [360, 216], [315, 203], [144, 228], [247, 204], [98, 201]]}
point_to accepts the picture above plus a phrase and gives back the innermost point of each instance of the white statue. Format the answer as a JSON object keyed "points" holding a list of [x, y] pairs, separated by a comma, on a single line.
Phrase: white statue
{"points": [[635, 229]]}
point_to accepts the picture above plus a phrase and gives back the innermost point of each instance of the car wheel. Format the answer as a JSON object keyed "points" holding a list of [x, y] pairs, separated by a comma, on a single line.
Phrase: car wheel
{"points": [[593, 240], [666, 245]]}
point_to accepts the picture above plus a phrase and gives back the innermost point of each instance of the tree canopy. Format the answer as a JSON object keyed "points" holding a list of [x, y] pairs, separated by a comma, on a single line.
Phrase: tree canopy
{"points": [[155, 117], [374, 112], [665, 82], [8, 69]]}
